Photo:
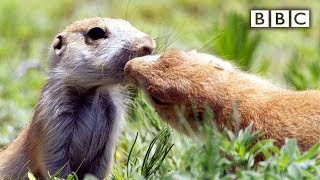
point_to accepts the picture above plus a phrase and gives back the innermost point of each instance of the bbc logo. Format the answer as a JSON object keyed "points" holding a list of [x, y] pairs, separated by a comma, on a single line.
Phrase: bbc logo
{"points": [[280, 18]]}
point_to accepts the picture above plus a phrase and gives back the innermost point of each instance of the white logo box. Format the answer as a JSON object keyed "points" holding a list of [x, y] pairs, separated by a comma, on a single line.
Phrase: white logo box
{"points": [[280, 18]]}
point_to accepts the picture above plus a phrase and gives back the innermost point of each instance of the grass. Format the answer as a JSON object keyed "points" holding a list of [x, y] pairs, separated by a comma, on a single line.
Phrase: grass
{"points": [[144, 150], [225, 155]]}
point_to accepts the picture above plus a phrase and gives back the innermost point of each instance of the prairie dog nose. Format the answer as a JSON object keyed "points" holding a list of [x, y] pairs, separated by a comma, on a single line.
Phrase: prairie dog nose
{"points": [[143, 46]]}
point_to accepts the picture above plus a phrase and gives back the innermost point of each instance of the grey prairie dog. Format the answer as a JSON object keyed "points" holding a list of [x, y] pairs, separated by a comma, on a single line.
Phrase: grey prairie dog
{"points": [[178, 78], [80, 108]]}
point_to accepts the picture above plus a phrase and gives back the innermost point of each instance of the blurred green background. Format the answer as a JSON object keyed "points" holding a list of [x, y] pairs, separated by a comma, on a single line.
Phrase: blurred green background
{"points": [[289, 57]]}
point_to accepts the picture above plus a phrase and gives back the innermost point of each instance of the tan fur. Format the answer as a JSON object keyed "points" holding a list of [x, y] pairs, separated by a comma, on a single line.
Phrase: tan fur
{"points": [[177, 78], [80, 108]]}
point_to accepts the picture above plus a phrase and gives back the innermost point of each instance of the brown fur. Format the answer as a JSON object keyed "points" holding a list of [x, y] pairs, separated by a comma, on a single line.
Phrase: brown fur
{"points": [[177, 78]]}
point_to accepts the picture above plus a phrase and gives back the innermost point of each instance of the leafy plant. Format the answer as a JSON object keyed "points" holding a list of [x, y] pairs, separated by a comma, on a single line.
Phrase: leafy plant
{"points": [[303, 75], [233, 40]]}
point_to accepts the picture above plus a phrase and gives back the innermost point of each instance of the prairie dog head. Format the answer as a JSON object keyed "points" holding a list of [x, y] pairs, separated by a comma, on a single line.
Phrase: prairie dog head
{"points": [[177, 78], [93, 52]]}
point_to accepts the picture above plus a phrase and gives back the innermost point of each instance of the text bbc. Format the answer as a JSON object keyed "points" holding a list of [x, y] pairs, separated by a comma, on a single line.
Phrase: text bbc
{"points": [[280, 18]]}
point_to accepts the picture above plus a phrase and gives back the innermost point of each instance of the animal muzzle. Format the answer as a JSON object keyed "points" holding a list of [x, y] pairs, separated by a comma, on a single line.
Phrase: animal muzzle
{"points": [[142, 46], [138, 47]]}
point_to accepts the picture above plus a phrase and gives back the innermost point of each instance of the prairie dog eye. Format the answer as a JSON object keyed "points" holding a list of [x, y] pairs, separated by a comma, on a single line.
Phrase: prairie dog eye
{"points": [[158, 101], [97, 33]]}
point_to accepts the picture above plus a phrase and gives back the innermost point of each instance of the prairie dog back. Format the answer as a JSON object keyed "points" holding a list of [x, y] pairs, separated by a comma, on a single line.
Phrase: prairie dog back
{"points": [[177, 78]]}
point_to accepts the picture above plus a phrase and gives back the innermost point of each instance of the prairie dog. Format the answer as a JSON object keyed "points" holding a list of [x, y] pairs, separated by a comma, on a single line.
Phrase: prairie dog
{"points": [[79, 111], [177, 78]]}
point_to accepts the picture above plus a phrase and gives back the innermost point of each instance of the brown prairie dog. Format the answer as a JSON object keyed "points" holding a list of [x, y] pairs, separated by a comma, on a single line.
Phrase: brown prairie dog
{"points": [[176, 78], [79, 111]]}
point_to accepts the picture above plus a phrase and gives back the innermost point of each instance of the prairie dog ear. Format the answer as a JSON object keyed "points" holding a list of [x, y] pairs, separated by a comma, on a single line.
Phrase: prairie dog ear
{"points": [[203, 58], [59, 44], [57, 49]]}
